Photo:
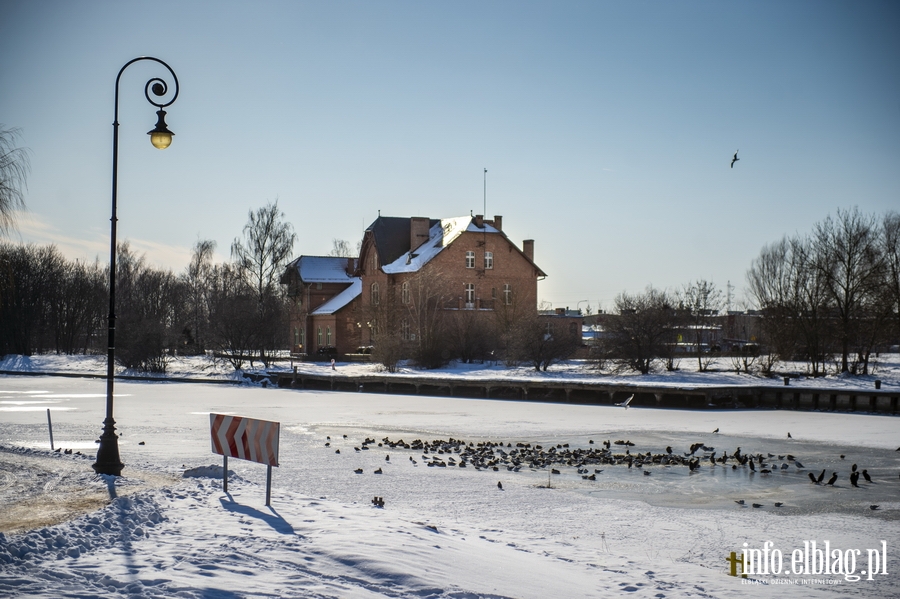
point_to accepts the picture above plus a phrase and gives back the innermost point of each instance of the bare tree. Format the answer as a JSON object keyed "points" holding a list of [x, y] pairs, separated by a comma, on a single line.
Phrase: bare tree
{"points": [[260, 258], [150, 311], [267, 245], [848, 258], [340, 248], [890, 241], [699, 305], [426, 314], [197, 279], [233, 315], [541, 342], [14, 168], [791, 292], [641, 330]]}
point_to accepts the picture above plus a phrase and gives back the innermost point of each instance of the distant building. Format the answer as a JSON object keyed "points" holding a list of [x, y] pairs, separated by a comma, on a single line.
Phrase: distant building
{"points": [[468, 263]]}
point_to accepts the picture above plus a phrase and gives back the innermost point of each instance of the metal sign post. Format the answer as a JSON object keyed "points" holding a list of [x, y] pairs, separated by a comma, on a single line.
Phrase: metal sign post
{"points": [[246, 439], [50, 426]]}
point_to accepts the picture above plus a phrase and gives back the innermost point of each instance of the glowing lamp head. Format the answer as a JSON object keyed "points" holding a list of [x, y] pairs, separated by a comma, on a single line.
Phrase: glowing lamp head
{"points": [[160, 136]]}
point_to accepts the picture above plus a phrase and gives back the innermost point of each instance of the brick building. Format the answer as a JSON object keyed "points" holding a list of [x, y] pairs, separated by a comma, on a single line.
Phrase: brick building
{"points": [[467, 264]]}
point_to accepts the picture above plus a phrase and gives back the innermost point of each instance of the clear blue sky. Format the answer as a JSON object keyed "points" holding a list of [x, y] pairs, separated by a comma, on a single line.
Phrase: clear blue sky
{"points": [[606, 127]]}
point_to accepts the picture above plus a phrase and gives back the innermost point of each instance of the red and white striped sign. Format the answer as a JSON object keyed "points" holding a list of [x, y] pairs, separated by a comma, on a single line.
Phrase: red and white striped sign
{"points": [[245, 438]]}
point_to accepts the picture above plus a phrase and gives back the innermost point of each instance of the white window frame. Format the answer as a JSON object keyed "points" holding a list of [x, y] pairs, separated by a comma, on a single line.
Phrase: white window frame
{"points": [[507, 294], [470, 295], [488, 260], [470, 259]]}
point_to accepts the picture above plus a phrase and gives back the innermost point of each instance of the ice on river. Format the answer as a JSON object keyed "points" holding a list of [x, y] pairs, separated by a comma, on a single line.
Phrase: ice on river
{"points": [[444, 531]]}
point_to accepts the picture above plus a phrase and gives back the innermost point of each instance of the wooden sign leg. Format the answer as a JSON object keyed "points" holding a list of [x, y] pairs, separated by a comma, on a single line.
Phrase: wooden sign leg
{"points": [[268, 485], [225, 474]]}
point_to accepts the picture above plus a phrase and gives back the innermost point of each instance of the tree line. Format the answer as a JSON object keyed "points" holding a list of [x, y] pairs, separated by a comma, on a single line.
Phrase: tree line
{"points": [[236, 309], [830, 298]]}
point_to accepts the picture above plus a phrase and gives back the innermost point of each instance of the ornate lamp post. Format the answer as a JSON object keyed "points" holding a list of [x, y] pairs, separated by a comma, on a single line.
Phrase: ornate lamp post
{"points": [[108, 461]]}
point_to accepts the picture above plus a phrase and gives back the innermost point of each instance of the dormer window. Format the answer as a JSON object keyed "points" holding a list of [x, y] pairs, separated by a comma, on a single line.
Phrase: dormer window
{"points": [[470, 259]]}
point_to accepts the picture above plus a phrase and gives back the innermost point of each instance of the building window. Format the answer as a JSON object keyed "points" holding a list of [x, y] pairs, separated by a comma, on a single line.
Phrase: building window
{"points": [[507, 294], [318, 336], [470, 295], [493, 293], [470, 259], [488, 260], [328, 336], [404, 292], [375, 296], [404, 329]]}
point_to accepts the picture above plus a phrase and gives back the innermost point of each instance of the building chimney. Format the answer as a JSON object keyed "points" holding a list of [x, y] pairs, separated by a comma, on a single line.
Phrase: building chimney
{"points": [[479, 221], [528, 249], [418, 231], [498, 222], [351, 266]]}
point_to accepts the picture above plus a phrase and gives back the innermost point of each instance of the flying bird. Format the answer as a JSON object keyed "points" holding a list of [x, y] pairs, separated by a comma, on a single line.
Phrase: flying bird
{"points": [[735, 159], [625, 403]]}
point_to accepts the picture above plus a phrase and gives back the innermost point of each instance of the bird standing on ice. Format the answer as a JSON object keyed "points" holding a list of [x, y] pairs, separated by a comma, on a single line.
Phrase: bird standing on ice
{"points": [[625, 403]]}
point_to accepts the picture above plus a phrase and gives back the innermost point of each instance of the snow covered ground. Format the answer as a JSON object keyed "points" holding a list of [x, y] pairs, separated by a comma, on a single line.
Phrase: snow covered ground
{"points": [[885, 368], [444, 532]]}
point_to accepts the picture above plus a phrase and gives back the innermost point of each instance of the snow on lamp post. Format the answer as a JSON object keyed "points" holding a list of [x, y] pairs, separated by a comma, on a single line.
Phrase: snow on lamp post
{"points": [[108, 461]]}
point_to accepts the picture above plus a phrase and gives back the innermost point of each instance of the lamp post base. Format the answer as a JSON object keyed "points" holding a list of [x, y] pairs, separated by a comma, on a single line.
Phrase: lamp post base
{"points": [[108, 461]]}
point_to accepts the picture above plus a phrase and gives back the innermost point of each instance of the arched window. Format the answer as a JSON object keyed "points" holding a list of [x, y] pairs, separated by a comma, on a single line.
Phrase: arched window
{"points": [[375, 295], [328, 336], [404, 292]]}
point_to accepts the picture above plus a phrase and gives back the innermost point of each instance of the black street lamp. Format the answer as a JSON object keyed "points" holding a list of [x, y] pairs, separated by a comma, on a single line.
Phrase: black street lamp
{"points": [[108, 461]]}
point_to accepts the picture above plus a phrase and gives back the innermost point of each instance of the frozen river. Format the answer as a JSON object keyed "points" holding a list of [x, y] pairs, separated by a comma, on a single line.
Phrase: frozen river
{"points": [[673, 515]]}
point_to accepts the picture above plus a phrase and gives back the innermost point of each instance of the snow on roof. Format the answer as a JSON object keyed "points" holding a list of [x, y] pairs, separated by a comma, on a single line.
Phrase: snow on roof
{"points": [[323, 269], [440, 236], [341, 299]]}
